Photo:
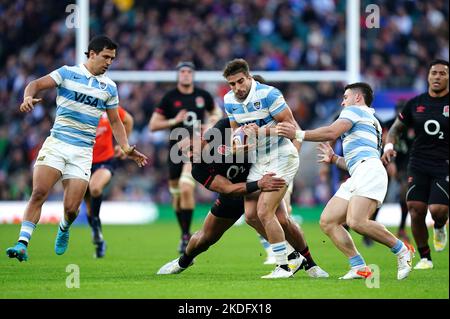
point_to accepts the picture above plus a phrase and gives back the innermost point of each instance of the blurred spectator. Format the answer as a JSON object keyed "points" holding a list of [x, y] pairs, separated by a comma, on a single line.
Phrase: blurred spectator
{"points": [[155, 35]]}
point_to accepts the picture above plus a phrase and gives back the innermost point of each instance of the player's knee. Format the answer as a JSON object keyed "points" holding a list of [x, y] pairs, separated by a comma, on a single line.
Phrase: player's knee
{"points": [[325, 224], [355, 224], [439, 213], [417, 212], [95, 191], [71, 207], [252, 220], [39, 195]]}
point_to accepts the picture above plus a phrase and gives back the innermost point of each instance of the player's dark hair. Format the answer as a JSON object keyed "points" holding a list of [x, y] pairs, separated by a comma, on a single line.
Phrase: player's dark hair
{"points": [[236, 66], [100, 42], [437, 61], [259, 78], [364, 89]]}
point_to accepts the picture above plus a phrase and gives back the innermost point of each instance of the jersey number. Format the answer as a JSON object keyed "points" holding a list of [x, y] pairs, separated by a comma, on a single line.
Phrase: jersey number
{"points": [[434, 131]]}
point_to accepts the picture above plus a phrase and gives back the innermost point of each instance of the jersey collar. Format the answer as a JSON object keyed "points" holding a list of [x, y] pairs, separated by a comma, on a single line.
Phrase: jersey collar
{"points": [[250, 94], [87, 73]]}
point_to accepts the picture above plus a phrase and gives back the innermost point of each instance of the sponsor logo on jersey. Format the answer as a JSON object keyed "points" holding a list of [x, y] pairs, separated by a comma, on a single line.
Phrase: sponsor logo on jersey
{"points": [[86, 99], [420, 109], [199, 102], [445, 111]]}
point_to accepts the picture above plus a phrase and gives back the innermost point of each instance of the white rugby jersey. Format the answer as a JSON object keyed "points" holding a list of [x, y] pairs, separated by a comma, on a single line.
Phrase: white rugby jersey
{"points": [[81, 99], [363, 140]]}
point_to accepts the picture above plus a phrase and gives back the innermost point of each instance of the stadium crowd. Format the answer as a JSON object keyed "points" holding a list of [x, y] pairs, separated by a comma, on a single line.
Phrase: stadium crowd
{"points": [[155, 35]]}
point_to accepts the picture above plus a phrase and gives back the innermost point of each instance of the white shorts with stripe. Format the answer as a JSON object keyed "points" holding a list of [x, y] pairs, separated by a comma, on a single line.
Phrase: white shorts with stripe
{"points": [[283, 162], [72, 161], [369, 180]]}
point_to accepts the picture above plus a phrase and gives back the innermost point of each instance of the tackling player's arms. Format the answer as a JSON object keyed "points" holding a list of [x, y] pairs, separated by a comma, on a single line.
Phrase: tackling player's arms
{"points": [[221, 185]]}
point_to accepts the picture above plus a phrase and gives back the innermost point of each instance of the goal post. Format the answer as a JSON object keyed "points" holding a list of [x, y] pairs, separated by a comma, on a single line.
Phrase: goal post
{"points": [[351, 74]]}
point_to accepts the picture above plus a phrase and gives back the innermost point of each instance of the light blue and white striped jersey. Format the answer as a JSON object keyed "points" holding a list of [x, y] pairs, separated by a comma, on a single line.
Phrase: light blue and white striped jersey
{"points": [[81, 100], [261, 105], [363, 140]]}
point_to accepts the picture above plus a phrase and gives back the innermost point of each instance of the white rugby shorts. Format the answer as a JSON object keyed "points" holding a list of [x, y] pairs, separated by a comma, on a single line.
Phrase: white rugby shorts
{"points": [[283, 162], [369, 180], [72, 161]]}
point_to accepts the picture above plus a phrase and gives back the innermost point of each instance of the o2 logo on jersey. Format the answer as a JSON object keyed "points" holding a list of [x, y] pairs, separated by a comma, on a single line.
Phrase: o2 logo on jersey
{"points": [[432, 127], [234, 170], [445, 111], [191, 117]]}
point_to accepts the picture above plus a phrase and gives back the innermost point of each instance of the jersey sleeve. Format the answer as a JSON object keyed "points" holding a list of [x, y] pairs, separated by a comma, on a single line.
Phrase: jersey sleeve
{"points": [[59, 75], [229, 111], [113, 101], [405, 116], [202, 175], [163, 107], [351, 114], [275, 102]]}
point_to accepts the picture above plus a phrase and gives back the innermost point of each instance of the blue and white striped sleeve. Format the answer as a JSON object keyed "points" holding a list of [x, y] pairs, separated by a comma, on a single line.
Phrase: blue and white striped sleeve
{"points": [[113, 100], [59, 75], [350, 114], [229, 110], [275, 102]]}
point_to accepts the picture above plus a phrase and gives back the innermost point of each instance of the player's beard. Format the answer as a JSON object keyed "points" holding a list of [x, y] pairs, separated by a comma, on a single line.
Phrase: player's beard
{"points": [[439, 91]]}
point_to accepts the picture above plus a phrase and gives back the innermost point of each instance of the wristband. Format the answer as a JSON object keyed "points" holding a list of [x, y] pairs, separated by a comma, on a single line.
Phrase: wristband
{"points": [[252, 187], [128, 150], [332, 157], [172, 122], [299, 135], [388, 146]]}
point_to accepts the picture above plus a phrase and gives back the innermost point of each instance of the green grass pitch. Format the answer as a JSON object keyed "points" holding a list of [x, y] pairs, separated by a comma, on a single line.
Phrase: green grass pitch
{"points": [[229, 269]]}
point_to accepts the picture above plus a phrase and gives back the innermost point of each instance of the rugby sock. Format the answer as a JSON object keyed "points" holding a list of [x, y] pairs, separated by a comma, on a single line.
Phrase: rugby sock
{"points": [[186, 219], [280, 252], [96, 202], [398, 247], [424, 252], [264, 242], [185, 261], [310, 261], [64, 225], [356, 261], [404, 208], [26, 230]]}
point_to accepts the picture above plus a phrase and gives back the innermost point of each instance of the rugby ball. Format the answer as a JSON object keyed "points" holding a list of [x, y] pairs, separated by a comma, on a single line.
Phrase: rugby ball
{"points": [[239, 136]]}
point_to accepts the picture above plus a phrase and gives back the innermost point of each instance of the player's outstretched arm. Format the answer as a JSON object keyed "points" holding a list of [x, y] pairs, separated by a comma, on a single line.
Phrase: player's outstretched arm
{"points": [[121, 138], [391, 139], [32, 89]]}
